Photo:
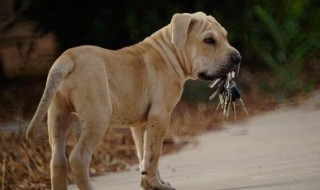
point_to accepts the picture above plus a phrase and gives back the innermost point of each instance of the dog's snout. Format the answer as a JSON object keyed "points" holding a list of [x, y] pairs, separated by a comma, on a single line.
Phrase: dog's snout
{"points": [[235, 58]]}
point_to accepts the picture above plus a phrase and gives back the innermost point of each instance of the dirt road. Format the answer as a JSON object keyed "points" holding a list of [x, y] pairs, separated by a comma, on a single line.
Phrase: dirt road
{"points": [[274, 151]]}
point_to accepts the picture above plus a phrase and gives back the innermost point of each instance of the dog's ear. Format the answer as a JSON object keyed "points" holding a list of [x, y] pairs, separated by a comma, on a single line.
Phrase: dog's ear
{"points": [[179, 26], [200, 13]]}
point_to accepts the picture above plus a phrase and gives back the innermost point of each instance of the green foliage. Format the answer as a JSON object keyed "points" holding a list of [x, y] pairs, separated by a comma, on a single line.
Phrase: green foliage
{"points": [[285, 41]]}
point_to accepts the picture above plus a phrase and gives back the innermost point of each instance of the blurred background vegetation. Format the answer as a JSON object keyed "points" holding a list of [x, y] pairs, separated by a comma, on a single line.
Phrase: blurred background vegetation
{"points": [[280, 38]]}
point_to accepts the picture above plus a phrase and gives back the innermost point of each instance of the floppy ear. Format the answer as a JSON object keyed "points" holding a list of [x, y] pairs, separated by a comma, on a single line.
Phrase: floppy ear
{"points": [[180, 24], [200, 13]]}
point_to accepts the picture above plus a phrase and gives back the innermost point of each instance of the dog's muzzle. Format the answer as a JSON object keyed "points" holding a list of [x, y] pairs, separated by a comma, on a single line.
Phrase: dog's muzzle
{"points": [[232, 64], [235, 60]]}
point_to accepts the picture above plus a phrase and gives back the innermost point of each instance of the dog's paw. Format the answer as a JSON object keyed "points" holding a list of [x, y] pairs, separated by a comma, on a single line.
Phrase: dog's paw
{"points": [[159, 188], [165, 183], [158, 185]]}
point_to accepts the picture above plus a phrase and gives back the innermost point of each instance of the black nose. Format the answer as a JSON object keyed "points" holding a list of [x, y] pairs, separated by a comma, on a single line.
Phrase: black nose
{"points": [[235, 58]]}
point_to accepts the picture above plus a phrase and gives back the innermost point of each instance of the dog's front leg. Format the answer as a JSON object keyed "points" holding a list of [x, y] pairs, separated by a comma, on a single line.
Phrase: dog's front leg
{"points": [[138, 134], [158, 122]]}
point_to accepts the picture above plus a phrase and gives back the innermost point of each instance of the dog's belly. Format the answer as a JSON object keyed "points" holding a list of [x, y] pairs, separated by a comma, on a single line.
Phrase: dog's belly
{"points": [[129, 114], [121, 120]]}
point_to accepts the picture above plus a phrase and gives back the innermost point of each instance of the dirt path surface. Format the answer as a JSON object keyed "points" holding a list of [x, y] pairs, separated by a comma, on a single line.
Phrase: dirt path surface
{"points": [[277, 150]]}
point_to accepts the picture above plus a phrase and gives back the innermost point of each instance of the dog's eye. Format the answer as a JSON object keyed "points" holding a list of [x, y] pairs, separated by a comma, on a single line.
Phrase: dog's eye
{"points": [[210, 41]]}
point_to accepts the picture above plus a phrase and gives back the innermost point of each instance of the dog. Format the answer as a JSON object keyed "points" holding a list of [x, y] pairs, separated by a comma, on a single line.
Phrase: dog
{"points": [[136, 87]]}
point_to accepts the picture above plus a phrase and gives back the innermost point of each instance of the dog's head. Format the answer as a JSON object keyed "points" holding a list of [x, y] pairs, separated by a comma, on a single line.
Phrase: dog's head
{"points": [[203, 41]]}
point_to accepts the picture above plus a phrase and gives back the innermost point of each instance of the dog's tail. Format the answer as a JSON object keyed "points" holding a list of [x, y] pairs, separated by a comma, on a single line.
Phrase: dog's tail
{"points": [[60, 69]]}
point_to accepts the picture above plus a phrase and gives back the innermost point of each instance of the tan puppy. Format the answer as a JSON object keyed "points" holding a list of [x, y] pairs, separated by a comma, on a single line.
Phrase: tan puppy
{"points": [[136, 87]]}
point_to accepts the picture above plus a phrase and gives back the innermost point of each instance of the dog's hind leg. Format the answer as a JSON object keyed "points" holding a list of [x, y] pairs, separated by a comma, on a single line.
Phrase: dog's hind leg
{"points": [[94, 112], [91, 133], [59, 122]]}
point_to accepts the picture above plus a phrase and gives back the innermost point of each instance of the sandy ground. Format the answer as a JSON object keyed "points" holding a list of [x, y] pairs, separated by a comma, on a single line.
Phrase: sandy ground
{"points": [[277, 150]]}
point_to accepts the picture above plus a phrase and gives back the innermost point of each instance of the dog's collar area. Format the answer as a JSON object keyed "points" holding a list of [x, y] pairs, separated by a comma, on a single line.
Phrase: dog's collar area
{"points": [[164, 52]]}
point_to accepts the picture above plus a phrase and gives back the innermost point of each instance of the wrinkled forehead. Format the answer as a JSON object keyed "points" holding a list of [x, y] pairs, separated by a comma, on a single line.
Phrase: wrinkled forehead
{"points": [[212, 23], [217, 25]]}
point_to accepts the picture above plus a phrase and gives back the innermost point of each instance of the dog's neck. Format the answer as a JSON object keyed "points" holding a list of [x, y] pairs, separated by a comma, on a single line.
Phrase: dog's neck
{"points": [[161, 42]]}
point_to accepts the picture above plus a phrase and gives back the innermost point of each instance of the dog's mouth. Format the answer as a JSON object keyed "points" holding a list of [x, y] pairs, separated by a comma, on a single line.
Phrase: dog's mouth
{"points": [[206, 77], [221, 74]]}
